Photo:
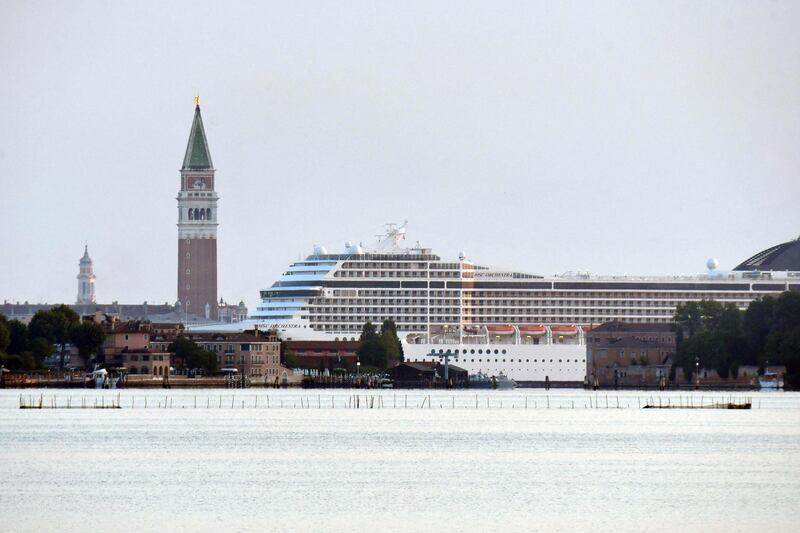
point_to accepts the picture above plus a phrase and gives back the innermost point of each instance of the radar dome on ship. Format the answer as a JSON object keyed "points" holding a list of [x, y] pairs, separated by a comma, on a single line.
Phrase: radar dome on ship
{"points": [[712, 263], [462, 255], [319, 250]]}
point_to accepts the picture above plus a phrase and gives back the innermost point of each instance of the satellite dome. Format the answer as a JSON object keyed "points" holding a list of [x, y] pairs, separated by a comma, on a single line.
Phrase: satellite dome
{"points": [[319, 250], [462, 255], [712, 263], [348, 247]]}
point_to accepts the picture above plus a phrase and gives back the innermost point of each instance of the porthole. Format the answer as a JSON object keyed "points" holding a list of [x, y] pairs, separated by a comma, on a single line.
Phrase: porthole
{"points": [[472, 351], [504, 352], [496, 352], [480, 351]]}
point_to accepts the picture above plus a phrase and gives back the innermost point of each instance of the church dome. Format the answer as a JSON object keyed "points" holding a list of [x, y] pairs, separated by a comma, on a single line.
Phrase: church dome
{"points": [[784, 256]]}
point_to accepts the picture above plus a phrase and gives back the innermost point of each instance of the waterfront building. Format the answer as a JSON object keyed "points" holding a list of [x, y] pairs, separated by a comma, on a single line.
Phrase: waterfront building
{"points": [[197, 226], [256, 355], [325, 354], [127, 344], [629, 354], [86, 279], [532, 328]]}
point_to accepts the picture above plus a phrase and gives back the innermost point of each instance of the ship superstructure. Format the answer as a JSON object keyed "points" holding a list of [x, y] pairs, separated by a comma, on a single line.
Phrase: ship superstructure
{"points": [[529, 327]]}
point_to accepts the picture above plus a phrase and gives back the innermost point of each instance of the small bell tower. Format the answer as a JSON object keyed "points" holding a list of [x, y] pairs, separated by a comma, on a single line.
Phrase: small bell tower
{"points": [[86, 279]]}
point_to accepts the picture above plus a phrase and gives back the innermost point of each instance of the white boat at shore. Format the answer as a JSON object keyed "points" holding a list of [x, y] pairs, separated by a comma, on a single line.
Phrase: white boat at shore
{"points": [[770, 381]]}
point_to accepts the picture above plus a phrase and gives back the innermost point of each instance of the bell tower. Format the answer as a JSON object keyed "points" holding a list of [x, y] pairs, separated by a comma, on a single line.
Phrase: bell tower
{"points": [[197, 226], [86, 279]]}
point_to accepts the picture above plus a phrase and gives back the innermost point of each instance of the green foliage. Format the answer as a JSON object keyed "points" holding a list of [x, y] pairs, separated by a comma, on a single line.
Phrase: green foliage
{"points": [[724, 338], [379, 351], [17, 362], [368, 332], [5, 334], [392, 344], [289, 359], [189, 355], [207, 361], [55, 325], [20, 339], [40, 349], [88, 337]]}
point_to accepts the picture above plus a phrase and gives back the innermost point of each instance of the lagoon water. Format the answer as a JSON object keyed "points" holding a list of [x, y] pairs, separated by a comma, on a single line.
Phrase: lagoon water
{"points": [[211, 460]]}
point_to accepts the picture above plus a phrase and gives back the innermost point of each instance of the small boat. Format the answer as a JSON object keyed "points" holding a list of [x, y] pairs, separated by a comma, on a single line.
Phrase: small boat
{"points": [[533, 331], [500, 329], [100, 379], [480, 381], [503, 382], [769, 381], [564, 330]]}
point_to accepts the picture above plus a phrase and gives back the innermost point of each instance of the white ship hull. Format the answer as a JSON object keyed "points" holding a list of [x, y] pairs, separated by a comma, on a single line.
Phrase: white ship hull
{"points": [[520, 362]]}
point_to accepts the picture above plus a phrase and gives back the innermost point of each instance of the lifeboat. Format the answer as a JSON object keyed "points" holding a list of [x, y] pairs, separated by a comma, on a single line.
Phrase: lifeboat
{"points": [[472, 330], [564, 330], [533, 331], [500, 330]]}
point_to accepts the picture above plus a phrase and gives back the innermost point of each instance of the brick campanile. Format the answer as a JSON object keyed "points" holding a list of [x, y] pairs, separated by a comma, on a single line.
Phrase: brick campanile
{"points": [[197, 227]]}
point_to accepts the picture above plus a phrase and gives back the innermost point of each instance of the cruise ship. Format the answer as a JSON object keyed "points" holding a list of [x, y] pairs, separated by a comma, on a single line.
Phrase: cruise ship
{"points": [[529, 327]]}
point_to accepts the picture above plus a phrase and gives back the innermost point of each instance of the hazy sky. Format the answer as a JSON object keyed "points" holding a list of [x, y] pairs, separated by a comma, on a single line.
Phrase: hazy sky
{"points": [[618, 137]]}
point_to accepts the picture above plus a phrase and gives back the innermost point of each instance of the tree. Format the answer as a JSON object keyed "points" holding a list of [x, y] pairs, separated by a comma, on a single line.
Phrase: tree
{"points": [[183, 349], [189, 355], [5, 334], [88, 337], [710, 334], [289, 359], [391, 343], [41, 348], [20, 339], [207, 361], [368, 332], [371, 352], [55, 325]]}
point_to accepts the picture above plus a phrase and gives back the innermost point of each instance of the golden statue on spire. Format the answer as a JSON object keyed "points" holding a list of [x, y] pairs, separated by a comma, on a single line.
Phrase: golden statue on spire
{"points": [[197, 100]]}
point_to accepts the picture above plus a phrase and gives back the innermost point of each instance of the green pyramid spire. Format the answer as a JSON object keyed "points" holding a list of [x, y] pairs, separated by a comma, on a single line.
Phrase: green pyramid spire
{"points": [[197, 154]]}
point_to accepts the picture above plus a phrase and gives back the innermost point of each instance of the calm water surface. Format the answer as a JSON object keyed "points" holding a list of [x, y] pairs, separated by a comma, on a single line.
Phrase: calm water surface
{"points": [[301, 464]]}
